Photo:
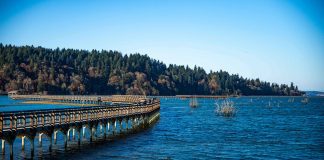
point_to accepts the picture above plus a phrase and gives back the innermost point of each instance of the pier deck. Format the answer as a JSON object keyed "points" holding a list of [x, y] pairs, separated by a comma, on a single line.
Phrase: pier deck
{"points": [[106, 112]]}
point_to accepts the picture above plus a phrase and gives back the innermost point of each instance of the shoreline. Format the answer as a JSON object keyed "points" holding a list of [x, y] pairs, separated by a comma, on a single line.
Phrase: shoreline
{"points": [[58, 103]]}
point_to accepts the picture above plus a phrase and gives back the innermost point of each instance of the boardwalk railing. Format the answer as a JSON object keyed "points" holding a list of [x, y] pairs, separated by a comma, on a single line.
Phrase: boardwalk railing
{"points": [[83, 99]]}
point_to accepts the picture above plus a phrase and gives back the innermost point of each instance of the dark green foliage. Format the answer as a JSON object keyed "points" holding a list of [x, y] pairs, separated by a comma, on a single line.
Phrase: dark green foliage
{"points": [[69, 71]]}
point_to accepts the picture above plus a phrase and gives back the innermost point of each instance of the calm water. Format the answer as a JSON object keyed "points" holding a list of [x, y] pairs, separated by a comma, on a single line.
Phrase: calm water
{"points": [[7, 105], [263, 128]]}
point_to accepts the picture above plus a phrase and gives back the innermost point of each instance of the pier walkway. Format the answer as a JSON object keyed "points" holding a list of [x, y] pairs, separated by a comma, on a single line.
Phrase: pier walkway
{"points": [[128, 112]]}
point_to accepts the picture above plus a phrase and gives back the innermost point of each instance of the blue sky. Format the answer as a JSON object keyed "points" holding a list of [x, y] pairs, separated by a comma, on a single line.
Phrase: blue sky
{"points": [[276, 40]]}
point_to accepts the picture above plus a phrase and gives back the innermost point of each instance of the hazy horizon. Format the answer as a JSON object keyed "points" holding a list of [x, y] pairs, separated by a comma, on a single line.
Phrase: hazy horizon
{"points": [[276, 41]]}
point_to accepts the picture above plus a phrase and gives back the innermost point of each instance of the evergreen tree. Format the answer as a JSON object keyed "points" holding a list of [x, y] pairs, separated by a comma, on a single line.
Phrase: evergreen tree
{"points": [[69, 71]]}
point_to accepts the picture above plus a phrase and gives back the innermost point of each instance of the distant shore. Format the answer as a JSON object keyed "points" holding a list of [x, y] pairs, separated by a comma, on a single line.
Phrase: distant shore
{"points": [[58, 103]]}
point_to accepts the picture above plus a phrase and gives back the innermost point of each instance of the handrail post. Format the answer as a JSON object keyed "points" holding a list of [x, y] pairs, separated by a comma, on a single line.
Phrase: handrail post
{"points": [[10, 126], [43, 119]]}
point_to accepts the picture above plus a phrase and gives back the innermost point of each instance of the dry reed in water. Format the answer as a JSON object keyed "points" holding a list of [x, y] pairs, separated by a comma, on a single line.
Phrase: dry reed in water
{"points": [[226, 108]]}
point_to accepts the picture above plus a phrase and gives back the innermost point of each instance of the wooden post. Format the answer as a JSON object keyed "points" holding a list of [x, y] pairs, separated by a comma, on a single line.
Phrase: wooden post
{"points": [[108, 127], [126, 123], [91, 133], [79, 137], [114, 127], [32, 147], [65, 141], [120, 125], [68, 134], [50, 145], [105, 128], [73, 133], [22, 142], [40, 139], [11, 150], [54, 136], [3, 146], [83, 132]]}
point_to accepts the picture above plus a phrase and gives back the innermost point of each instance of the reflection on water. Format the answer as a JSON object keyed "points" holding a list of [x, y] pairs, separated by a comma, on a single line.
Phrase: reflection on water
{"points": [[263, 127]]}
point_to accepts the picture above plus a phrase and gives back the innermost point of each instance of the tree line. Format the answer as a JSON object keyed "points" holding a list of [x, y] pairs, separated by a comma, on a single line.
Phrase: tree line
{"points": [[41, 70]]}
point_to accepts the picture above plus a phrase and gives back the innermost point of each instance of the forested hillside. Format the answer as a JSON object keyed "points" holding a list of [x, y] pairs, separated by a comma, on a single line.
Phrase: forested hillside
{"points": [[72, 71]]}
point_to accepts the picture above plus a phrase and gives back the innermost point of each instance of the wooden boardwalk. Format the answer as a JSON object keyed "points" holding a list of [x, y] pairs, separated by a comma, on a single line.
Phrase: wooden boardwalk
{"points": [[137, 111], [191, 96]]}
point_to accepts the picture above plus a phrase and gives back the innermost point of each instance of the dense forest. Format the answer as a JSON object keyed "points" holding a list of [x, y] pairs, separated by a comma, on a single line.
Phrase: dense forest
{"points": [[40, 70]]}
